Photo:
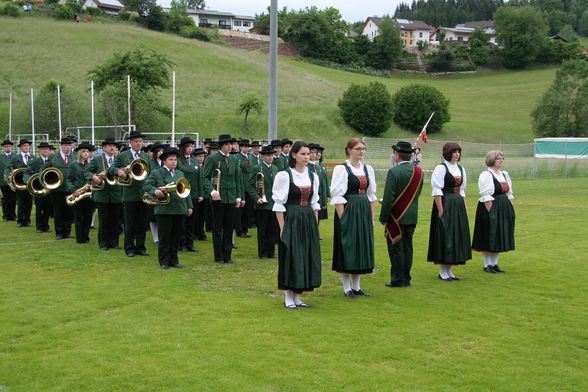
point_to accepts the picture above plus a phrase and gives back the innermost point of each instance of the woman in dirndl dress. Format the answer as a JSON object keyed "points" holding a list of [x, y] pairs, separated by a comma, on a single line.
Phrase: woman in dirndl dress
{"points": [[295, 195], [495, 215], [353, 188], [449, 235]]}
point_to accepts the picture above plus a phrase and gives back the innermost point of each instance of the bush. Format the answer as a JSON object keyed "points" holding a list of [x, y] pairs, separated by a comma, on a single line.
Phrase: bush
{"points": [[9, 9], [75, 7], [94, 11], [195, 33], [176, 23], [414, 104], [556, 51], [60, 11], [367, 109]]}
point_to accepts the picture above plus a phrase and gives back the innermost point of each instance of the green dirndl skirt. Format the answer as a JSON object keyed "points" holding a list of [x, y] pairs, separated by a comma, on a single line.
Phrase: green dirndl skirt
{"points": [[494, 229], [299, 267], [449, 236], [353, 242]]}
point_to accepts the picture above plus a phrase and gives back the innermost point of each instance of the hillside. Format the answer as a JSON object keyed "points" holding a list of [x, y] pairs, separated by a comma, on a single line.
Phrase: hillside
{"points": [[212, 78]]}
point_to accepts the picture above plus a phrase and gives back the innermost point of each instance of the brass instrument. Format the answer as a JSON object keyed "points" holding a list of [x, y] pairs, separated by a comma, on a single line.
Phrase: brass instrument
{"points": [[83, 193], [181, 187], [51, 178], [260, 186], [216, 178], [35, 186], [16, 179], [138, 170], [106, 177]]}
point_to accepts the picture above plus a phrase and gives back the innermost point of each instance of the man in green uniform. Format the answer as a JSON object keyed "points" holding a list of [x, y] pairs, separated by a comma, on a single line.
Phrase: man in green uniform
{"points": [[42, 203], [8, 195], [62, 213], [24, 200], [277, 146], [400, 213], [285, 153], [242, 214], [190, 166]]}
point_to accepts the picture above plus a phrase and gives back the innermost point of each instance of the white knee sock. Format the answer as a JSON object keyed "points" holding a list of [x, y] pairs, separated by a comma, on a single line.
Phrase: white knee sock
{"points": [[450, 272], [443, 271], [355, 282], [154, 233], [345, 281], [289, 298], [494, 260], [487, 259], [296, 299]]}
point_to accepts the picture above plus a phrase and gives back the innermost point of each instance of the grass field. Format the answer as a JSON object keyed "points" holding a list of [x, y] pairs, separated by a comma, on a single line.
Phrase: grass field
{"points": [[75, 319], [211, 79]]}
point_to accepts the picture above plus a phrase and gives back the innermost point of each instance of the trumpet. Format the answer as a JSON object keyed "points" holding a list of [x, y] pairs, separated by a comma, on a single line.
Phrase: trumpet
{"points": [[51, 178], [181, 187], [16, 180], [216, 178], [260, 186], [138, 170], [82, 193], [106, 178], [35, 186]]}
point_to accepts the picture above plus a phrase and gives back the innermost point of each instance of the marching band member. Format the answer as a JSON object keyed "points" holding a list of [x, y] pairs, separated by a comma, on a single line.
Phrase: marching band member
{"points": [[155, 162], [9, 197], [226, 196], [42, 203], [324, 184], [76, 179], [62, 213], [277, 146], [24, 200], [170, 217], [241, 218], [211, 149], [353, 187], [204, 205], [495, 215], [295, 194], [190, 166], [135, 212], [449, 235], [284, 153], [267, 225], [108, 200]]}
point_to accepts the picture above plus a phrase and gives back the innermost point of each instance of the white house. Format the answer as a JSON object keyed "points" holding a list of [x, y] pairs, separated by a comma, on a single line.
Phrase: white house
{"points": [[112, 7], [462, 32], [222, 20], [411, 31]]}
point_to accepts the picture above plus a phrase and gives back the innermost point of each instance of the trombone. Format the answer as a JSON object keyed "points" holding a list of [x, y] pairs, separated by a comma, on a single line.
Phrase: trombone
{"points": [[181, 187], [260, 186], [138, 170], [216, 178]]}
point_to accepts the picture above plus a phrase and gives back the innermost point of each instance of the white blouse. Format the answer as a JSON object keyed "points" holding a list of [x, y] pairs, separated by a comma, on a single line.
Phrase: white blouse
{"points": [[339, 182], [438, 178], [281, 188], [486, 184]]}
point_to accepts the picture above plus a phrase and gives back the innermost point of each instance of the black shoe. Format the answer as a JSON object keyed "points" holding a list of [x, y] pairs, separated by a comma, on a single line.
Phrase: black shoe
{"points": [[360, 292], [130, 254], [454, 278], [290, 307], [321, 238], [177, 266], [27, 224], [190, 248], [229, 261], [496, 269], [302, 305], [220, 261], [202, 238], [243, 235], [349, 294], [271, 257], [59, 237], [19, 224], [164, 267], [445, 279], [104, 248], [40, 231], [394, 285], [489, 269], [142, 253]]}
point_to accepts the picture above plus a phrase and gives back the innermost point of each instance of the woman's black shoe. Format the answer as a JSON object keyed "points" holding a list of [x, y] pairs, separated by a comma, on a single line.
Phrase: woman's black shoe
{"points": [[360, 292], [496, 269], [445, 279], [489, 269]]}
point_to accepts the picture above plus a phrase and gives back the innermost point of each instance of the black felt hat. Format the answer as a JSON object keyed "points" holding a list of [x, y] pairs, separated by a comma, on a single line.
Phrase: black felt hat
{"points": [[403, 147], [267, 150], [224, 139], [169, 151]]}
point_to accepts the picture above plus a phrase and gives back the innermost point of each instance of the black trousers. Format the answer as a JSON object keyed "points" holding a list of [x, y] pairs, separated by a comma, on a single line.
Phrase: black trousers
{"points": [[108, 230], [240, 228], [188, 235], [200, 213], [135, 213], [401, 257], [83, 211], [249, 212], [267, 226], [208, 214], [8, 203], [24, 202], [169, 228], [42, 212], [222, 230], [62, 213]]}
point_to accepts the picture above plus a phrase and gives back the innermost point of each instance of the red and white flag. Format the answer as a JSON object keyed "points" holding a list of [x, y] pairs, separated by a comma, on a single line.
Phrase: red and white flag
{"points": [[423, 135]]}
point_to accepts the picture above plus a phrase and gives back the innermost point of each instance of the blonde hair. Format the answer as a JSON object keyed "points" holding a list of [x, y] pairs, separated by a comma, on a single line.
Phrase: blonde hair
{"points": [[492, 156], [80, 152]]}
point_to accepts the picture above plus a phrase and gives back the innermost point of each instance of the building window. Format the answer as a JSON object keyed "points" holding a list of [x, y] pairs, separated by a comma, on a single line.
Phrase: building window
{"points": [[421, 34], [237, 23], [246, 24], [204, 21], [459, 38]]}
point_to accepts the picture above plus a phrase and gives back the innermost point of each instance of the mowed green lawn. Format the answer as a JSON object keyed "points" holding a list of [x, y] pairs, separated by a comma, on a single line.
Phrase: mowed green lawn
{"points": [[74, 318], [211, 79]]}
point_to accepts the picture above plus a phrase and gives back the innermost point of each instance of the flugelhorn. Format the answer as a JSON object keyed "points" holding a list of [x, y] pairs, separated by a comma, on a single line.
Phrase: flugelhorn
{"points": [[51, 178], [106, 178], [82, 193], [216, 178], [181, 188], [16, 179], [35, 186], [260, 186], [138, 170]]}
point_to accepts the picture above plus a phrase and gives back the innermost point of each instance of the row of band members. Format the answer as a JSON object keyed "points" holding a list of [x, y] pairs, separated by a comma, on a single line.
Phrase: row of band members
{"points": [[290, 216]]}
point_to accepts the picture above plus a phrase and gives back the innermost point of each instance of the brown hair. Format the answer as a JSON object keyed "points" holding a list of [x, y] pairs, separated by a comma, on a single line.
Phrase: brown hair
{"points": [[449, 149], [492, 156], [296, 147], [352, 143]]}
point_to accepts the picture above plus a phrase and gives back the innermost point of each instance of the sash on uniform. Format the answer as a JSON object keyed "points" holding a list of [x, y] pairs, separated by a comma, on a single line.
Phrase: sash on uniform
{"points": [[401, 205]]}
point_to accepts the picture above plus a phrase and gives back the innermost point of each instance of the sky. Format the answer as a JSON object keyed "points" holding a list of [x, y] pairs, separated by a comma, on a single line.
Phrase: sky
{"points": [[352, 10]]}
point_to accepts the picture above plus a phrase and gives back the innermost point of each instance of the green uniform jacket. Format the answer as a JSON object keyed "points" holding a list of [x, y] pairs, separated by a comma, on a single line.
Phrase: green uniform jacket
{"points": [[398, 178], [324, 191], [161, 177], [193, 174], [284, 162], [35, 166], [4, 161], [135, 191], [57, 162], [110, 194], [255, 160], [246, 168], [231, 185], [269, 173], [76, 178], [17, 163]]}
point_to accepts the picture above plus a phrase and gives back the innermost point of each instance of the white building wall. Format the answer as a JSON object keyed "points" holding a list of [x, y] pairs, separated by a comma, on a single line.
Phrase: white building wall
{"points": [[371, 30]]}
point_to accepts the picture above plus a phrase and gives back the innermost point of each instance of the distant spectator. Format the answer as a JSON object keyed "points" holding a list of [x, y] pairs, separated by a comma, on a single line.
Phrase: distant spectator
{"points": [[77, 19], [89, 19]]}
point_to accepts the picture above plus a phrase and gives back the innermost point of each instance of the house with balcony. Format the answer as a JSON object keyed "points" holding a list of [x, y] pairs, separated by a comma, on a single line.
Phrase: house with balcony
{"points": [[462, 32], [411, 31], [111, 7], [222, 20]]}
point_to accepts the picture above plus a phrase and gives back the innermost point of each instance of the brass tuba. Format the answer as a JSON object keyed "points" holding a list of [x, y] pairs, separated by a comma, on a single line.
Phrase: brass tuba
{"points": [[181, 187], [260, 186], [35, 186], [138, 170], [16, 179], [51, 178], [83, 193], [216, 178], [106, 177]]}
